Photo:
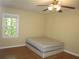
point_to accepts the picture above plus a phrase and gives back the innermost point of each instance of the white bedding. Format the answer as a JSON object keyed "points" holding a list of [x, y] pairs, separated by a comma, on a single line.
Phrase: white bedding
{"points": [[44, 44]]}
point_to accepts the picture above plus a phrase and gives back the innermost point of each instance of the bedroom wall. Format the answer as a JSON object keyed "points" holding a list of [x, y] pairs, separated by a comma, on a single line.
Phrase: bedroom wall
{"points": [[61, 26], [64, 27], [31, 24]]}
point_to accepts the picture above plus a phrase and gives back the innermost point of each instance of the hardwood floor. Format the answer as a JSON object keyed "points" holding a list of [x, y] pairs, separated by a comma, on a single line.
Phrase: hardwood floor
{"points": [[25, 53]]}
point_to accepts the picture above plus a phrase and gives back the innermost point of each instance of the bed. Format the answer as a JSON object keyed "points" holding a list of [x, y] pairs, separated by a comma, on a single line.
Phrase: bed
{"points": [[44, 47]]}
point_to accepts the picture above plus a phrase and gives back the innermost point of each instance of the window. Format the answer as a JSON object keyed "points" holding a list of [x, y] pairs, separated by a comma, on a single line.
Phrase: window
{"points": [[10, 25]]}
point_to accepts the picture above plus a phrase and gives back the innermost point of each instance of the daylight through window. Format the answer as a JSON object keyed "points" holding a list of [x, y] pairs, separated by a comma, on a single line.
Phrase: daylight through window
{"points": [[10, 25]]}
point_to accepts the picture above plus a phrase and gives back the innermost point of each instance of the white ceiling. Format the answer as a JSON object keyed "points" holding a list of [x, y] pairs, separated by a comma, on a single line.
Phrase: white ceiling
{"points": [[32, 4]]}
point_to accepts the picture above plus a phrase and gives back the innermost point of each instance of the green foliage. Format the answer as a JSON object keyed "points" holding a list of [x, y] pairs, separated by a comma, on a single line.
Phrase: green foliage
{"points": [[10, 27]]}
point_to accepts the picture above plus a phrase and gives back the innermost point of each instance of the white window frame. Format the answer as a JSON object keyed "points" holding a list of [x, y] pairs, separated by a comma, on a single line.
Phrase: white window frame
{"points": [[17, 25]]}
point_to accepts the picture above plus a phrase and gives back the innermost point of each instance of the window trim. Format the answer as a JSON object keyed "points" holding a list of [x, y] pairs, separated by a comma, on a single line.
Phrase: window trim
{"points": [[17, 25]]}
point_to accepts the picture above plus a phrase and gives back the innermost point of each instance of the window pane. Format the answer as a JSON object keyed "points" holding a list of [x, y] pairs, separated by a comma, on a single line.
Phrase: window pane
{"points": [[10, 26]]}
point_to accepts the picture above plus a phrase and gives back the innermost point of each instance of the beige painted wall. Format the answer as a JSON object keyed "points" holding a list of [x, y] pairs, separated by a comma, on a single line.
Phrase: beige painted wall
{"points": [[31, 24], [65, 27], [61, 26]]}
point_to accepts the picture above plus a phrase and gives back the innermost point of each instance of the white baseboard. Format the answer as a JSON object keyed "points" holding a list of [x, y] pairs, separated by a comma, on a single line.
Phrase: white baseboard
{"points": [[5, 47], [75, 54]]}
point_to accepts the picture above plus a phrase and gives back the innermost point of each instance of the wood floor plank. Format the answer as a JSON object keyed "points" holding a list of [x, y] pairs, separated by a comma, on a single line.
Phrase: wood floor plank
{"points": [[25, 53]]}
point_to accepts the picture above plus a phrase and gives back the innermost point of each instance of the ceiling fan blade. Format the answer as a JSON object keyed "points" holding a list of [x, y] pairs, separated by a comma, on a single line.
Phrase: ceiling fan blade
{"points": [[45, 9], [68, 7], [42, 5]]}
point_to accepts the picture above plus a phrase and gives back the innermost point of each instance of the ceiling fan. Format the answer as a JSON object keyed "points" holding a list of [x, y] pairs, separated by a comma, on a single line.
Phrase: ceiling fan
{"points": [[57, 5]]}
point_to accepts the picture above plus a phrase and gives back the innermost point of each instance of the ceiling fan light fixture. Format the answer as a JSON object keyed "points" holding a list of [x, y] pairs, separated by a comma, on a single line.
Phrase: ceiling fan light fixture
{"points": [[51, 5], [55, 6], [58, 8], [50, 8]]}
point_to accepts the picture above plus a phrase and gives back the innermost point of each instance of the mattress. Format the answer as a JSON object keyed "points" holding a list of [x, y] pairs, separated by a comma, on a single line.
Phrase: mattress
{"points": [[44, 45]]}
